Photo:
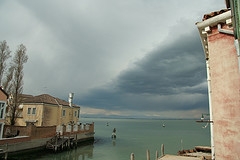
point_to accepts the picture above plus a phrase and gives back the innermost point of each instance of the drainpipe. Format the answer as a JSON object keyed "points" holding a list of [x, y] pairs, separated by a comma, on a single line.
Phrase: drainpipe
{"points": [[238, 52], [225, 31], [210, 109], [79, 121]]}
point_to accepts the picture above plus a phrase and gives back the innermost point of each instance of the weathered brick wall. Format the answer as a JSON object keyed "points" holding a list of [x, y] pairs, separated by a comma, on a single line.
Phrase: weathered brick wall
{"points": [[8, 129], [31, 131], [43, 132], [14, 140]]}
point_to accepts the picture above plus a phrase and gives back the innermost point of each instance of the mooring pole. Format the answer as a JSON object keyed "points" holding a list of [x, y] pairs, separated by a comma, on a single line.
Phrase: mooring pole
{"points": [[132, 156], [162, 150], [148, 155], [6, 153], [156, 155]]}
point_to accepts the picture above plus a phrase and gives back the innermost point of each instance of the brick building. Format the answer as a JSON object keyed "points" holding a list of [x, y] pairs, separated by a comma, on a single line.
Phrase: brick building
{"points": [[223, 75]]}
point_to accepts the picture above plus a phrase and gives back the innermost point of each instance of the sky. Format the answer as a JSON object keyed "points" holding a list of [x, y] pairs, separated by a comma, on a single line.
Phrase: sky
{"points": [[130, 58]]}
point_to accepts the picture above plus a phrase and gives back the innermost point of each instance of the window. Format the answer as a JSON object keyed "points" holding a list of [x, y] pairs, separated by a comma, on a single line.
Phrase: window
{"points": [[29, 111], [75, 113], [2, 109], [34, 111], [64, 113]]}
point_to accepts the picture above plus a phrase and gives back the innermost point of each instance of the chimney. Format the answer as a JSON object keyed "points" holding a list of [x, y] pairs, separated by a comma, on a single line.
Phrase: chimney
{"points": [[70, 99]]}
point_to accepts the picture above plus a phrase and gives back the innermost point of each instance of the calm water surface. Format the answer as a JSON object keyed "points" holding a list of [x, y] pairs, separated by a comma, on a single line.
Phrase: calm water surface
{"points": [[136, 136]]}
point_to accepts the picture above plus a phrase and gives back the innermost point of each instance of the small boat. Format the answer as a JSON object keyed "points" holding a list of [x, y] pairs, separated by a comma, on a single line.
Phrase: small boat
{"points": [[163, 125]]}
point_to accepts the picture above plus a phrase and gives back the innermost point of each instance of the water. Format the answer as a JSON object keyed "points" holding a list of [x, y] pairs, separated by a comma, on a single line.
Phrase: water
{"points": [[136, 136]]}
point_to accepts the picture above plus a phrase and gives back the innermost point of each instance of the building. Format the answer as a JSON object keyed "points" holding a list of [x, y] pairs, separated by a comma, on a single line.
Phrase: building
{"points": [[3, 102], [42, 122], [221, 48], [46, 110]]}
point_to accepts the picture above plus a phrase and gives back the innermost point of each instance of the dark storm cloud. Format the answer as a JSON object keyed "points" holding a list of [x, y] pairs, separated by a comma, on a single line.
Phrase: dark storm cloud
{"points": [[171, 77], [173, 69]]}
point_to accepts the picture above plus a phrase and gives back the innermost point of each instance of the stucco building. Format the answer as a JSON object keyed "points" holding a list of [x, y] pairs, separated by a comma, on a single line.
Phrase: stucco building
{"points": [[46, 110], [221, 50]]}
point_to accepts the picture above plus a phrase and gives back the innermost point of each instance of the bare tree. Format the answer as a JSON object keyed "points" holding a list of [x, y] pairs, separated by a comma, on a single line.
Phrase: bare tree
{"points": [[20, 57], [4, 56], [7, 82]]}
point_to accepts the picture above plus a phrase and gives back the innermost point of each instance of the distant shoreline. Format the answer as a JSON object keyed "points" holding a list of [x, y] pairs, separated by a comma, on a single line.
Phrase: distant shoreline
{"points": [[147, 118]]}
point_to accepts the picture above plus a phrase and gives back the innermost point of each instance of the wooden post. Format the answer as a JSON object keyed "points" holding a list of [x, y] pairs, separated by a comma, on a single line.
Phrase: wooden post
{"points": [[156, 155], [6, 153], [56, 138], [68, 141], [162, 150], [132, 156], [148, 155], [76, 141]]}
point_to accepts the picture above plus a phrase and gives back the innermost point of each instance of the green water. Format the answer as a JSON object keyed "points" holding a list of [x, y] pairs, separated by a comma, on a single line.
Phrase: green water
{"points": [[136, 136]]}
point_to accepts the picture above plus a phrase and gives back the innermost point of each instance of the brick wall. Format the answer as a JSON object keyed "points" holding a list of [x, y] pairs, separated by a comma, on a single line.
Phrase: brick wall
{"points": [[43, 132], [14, 140], [30, 130]]}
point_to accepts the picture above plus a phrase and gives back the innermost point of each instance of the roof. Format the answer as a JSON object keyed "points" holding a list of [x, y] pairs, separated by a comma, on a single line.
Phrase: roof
{"points": [[211, 20], [213, 14], [47, 99], [4, 91]]}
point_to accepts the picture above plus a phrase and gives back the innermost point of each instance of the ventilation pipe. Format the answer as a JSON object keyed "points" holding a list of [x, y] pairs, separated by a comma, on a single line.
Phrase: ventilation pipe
{"points": [[70, 99]]}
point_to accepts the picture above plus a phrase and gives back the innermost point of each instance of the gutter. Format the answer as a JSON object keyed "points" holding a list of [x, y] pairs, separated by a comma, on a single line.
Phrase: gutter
{"points": [[204, 27]]}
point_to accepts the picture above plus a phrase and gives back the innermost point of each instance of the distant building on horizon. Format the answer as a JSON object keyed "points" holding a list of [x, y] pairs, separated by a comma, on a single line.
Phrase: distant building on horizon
{"points": [[221, 47]]}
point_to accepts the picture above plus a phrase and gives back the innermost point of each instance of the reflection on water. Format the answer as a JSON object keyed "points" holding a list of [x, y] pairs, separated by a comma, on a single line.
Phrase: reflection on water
{"points": [[83, 152], [79, 153], [114, 142]]}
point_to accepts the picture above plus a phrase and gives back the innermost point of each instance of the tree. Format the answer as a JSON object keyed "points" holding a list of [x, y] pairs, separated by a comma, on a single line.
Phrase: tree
{"points": [[16, 76], [4, 56]]}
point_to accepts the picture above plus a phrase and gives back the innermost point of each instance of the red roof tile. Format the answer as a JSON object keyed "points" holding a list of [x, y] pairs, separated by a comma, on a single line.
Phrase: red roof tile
{"points": [[45, 98], [213, 14]]}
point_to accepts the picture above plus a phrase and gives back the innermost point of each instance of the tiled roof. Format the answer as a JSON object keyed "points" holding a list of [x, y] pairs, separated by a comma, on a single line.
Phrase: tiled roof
{"points": [[48, 99], [213, 14], [4, 91]]}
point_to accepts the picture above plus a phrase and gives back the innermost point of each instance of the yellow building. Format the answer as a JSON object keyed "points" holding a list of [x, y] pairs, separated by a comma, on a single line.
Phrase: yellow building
{"points": [[46, 110], [3, 101]]}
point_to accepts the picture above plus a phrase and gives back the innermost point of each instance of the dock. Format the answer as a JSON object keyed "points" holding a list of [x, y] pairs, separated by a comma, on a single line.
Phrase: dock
{"points": [[198, 153], [61, 143], [173, 157]]}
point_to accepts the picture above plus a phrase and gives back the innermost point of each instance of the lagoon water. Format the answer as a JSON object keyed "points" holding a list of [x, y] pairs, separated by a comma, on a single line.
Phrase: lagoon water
{"points": [[136, 136]]}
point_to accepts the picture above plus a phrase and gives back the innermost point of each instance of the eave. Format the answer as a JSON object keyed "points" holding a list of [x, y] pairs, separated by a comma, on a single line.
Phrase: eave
{"points": [[204, 27]]}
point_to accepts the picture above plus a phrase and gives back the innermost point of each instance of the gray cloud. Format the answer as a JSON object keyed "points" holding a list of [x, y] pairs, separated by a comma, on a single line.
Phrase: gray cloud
{"points": [[171, 77], [141, 57]]}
